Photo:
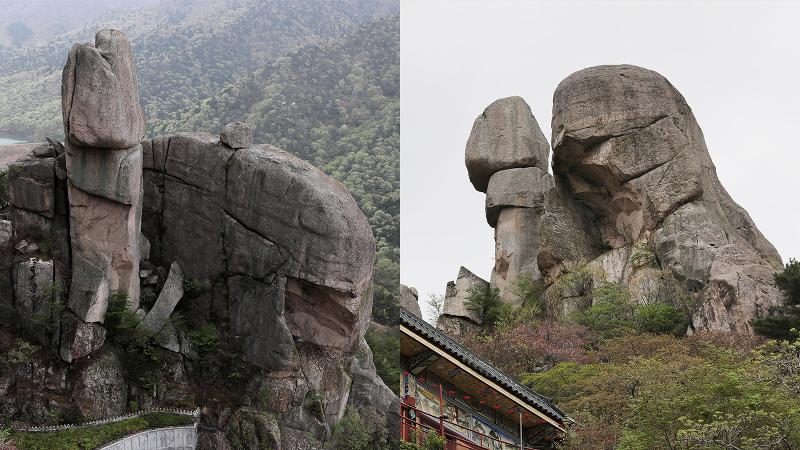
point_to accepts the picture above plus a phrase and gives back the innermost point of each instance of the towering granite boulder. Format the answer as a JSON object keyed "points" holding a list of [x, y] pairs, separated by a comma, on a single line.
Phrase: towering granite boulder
{"points": [[506, 158], [634, 200], [247, 271], [103, 124]]}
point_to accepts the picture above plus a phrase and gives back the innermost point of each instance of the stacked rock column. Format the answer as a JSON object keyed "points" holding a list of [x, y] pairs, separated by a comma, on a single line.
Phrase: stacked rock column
{"points": [[507, 157], [103, 125]]}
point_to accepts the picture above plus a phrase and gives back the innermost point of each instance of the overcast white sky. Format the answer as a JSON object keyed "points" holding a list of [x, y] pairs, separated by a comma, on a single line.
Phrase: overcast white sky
{"points": [[737, 65]]}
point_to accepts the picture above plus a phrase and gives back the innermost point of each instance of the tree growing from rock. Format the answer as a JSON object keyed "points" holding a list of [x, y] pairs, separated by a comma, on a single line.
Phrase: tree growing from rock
{"points": [[784, 321]]}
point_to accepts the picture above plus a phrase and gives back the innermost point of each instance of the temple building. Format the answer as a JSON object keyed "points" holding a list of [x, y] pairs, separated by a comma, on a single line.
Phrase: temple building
{"points": [[448, 390]]}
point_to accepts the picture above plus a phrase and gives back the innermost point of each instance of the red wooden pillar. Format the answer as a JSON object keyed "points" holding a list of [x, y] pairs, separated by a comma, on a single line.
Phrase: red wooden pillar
{"points": [[441, 411]]}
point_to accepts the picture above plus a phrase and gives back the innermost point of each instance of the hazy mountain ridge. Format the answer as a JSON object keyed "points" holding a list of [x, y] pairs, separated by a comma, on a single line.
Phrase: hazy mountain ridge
{"points": [[183, 53]]}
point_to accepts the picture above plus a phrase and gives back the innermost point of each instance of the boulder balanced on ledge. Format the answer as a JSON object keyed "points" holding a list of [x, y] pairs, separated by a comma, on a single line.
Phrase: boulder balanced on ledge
{"points": [[505, 136]]}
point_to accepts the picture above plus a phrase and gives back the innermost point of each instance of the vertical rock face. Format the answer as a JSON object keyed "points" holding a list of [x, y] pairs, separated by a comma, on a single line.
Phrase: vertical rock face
{"points": [[634, 200], [289, 256], [103, 123]]}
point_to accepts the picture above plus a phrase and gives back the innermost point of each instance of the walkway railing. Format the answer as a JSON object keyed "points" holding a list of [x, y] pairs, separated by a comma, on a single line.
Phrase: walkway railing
{"points": [[195, 414]]}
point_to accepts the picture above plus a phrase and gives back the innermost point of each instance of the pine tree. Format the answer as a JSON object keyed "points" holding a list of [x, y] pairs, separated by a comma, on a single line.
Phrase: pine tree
{"points": [[783, 322]]}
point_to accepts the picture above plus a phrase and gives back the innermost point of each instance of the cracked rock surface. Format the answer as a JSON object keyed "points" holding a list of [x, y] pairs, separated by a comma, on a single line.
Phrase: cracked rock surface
{"points": [[633, 198]]}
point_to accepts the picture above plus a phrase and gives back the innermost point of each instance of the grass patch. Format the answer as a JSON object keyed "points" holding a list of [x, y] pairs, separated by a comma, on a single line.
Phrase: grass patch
{"points": [[95, 436]]}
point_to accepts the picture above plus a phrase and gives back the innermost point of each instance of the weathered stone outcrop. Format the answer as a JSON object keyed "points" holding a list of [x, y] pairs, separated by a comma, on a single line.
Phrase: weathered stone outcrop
{"points": [[456, 318], [100, 94], [634, 200], [171, 293], [237, 135], [409, 299], [103, 124]]}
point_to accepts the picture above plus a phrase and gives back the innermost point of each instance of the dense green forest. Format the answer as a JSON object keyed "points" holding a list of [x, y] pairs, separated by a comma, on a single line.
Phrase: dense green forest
{"points": [[632, 379], [319, 79]]}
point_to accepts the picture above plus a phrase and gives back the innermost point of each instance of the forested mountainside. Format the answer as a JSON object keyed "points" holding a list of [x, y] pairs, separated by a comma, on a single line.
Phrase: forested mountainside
{"points": [[184, 50], [319, 79]]}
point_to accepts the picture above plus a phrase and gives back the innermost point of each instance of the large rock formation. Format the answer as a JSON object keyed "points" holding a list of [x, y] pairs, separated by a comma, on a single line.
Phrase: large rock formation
{"points": [[456, 317], [233, 270], [103, 124], [634, 200]]}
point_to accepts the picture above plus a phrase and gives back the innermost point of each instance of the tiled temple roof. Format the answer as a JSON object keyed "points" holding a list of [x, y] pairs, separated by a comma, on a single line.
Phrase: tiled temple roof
{"points": [[477, 364]]}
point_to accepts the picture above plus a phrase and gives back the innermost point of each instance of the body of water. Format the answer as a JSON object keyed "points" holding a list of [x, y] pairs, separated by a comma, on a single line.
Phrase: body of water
{"points": [[5, 140]]}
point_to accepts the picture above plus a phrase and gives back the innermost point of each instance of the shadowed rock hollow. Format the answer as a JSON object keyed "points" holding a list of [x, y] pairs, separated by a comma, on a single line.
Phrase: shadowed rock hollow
{"points": [[634, 199], [246, 271]]}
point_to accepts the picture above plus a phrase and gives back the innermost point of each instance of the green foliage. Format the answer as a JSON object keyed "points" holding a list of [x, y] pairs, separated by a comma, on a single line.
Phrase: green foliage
{"points": [[350, 433], [484, 300], [642, 255], [95, 436], [206, 337], [5, 437], [783, 322], [789, 281], [385, 346], [530, 294], [659, 392], [21, 352], [120, 322], [140, 355], [432, 441], [660, 318], [386, 301], [312, 403], [194, 288], [611, 313]]}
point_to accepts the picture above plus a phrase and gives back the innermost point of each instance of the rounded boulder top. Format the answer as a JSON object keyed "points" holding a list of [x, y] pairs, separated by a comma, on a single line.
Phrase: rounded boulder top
{"points": [[100, 94], [611, 99]]}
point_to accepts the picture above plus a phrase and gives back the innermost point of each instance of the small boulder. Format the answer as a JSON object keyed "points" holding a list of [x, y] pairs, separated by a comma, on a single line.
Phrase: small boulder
{"points": [[6, 231], [237, 135], [101, 390], [44, 151], [79, 338], [31, 185], [257, 320]]}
